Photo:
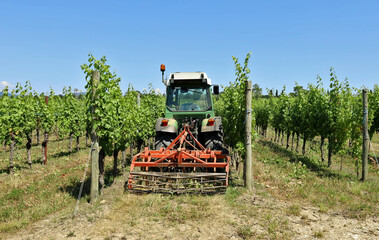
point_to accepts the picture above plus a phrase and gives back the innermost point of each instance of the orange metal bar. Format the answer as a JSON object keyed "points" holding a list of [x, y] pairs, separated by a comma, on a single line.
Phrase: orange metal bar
{"points": [[175, 164], [202, 154], [191, 144], [182, 139], [165, 157], [176, 140], [198, 143], [193, 157]]}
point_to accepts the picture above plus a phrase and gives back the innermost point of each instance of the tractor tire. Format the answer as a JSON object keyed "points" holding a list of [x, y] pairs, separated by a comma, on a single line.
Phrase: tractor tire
{"points": [[163, 140], [214, 141]]}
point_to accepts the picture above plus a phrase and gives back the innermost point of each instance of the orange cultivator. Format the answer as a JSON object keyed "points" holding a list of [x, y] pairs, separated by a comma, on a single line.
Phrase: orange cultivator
{"points": [[185, 166]]}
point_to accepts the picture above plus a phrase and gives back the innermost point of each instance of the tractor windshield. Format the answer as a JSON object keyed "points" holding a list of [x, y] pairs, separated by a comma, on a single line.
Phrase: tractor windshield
{"points": [[188, 99]]}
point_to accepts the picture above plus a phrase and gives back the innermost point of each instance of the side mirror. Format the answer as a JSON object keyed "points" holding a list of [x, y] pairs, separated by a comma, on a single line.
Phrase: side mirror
{"points": [[216, 89]]}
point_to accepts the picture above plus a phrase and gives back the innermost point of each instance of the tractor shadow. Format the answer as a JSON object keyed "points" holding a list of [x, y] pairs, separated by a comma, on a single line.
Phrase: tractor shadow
{"points": [[17, 167], [67, 153], [235, 178], [319, 168], [73, 187]]}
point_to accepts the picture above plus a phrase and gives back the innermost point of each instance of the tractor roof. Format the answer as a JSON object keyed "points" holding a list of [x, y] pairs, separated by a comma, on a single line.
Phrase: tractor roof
{"points": [[190, 76]]}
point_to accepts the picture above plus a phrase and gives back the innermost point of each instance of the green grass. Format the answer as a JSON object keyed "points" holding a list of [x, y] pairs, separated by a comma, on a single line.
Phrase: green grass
{"points": [[244, 232], [318, 234], [375, 138], [316, 184], [28, 195], [232, 193], [294, 210]]}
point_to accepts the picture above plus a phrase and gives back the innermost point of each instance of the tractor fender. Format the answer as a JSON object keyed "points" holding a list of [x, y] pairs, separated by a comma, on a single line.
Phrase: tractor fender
{"points": [[207, 127], [171, 127]]}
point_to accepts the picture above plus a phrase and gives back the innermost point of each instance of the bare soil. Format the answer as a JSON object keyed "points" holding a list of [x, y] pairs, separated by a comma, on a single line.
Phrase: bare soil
{"points": [[121, 215]]}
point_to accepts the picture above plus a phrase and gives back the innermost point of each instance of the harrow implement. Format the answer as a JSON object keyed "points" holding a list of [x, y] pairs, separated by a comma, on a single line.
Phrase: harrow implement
{"points": [[185, 166]]}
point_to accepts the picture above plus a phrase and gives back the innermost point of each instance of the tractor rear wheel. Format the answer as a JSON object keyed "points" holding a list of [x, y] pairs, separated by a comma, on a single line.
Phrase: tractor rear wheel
{"points": [[163, 140], [214, 141]]}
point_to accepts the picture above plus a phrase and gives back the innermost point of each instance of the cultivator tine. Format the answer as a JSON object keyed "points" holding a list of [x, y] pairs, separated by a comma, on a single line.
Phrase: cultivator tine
{"points": [[177, 183]]}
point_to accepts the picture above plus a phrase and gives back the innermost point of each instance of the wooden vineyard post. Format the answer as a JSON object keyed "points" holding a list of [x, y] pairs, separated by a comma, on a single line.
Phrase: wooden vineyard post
{"points": [[94, 192], [365, 135], [46, 139], [138, 99], [248, 166]]}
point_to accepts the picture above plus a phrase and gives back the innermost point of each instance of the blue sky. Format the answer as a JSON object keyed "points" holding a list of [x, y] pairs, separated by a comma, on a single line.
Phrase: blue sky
{"points": [[291, 41]]}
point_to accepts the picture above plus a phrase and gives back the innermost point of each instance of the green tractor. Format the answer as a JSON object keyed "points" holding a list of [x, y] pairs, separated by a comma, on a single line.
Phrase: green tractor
{"points": [[189, 154], [189, 101]]}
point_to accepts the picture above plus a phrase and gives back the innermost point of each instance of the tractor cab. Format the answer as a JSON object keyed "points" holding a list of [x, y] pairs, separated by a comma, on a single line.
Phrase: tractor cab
{"points": [[189, 94], [191, 99]]}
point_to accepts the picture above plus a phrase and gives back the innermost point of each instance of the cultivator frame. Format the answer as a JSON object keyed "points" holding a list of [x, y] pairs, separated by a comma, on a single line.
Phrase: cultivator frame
{"points": [[176, 169]]}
